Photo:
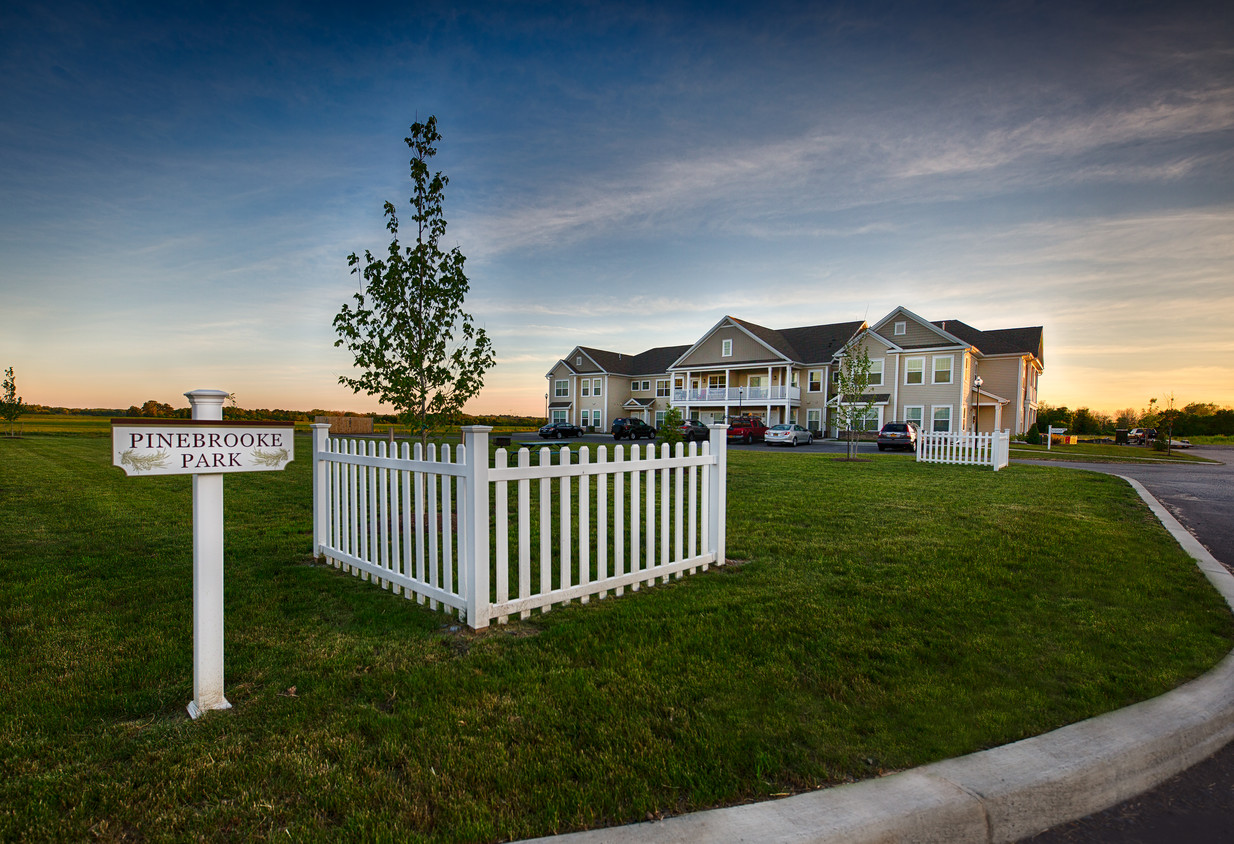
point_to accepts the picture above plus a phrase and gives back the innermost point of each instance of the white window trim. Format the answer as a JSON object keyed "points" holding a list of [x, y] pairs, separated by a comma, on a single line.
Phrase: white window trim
{"points": [[560, 392], [908, 361], [585, 387], [660, 417], [667, 389], [578, 360], [950, 369], [558, 415], [900, 329], [595, 386], [726, 348], [586, 418], [950, 416], [921, 420], [810, 387], [882, 366]]}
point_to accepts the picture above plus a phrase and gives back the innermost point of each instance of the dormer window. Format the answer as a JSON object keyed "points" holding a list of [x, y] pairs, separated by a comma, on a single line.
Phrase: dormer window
{"points": [[901, 328], [726, 349]]}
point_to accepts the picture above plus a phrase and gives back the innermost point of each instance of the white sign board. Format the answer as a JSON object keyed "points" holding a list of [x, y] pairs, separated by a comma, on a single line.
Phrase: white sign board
{"points": [[198, 446]]}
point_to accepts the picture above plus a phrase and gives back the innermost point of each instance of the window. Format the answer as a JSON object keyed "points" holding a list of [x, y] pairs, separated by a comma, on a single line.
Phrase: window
{"points": [[595, 386], [901, 329], [561, 389], [815, 384], [643, 386], [559, 416], [914, 414], [586, 417], [876, 373], [660, 417], [662, 388], [597, 419], [716, 382], [814, 418], [942, 371], [796, 379], [726, 348], [578, 360], [586, 387], [870, 421], [942, 418], [914, 371]]}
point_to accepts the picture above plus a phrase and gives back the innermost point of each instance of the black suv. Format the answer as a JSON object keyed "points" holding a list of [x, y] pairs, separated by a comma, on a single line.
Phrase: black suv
{"points": [[633, 429], [898, 435]]}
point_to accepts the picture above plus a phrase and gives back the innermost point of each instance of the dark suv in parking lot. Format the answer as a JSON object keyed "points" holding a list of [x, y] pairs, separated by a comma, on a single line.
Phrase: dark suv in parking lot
{"points": [[898, 435], [633, 429]]}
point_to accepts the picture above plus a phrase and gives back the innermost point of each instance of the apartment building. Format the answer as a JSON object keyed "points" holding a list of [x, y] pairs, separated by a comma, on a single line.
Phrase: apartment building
{"points": [[922, 371]]}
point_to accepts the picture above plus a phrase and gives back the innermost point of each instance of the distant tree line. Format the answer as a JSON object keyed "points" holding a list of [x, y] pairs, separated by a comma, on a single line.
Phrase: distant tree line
{"points": [[1192, 420], [159, 410]]}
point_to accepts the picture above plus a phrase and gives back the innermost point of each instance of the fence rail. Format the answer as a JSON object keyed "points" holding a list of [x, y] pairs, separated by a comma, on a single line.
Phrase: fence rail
{"points": [[993, 449], [445, 527]]}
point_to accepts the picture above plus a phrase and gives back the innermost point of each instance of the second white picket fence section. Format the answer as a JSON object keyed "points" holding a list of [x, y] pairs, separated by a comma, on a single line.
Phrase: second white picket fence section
{"points": [[993, 449], [492, 541]]}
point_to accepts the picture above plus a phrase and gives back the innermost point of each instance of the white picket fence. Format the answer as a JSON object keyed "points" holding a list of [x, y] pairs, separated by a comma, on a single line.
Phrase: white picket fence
{"points": [[993, 449], [453, 531]]}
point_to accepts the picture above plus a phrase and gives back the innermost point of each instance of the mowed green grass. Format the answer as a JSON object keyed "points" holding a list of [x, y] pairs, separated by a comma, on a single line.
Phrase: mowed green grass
{"points": [[881, 615]]}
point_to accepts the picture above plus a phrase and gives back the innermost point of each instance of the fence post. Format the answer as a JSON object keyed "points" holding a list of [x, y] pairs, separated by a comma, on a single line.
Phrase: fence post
{"points": [[475, 439], [716, 496], [321, 514]]}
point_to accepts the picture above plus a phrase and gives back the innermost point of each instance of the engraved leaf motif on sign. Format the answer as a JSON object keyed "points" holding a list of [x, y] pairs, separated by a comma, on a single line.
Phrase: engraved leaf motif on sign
{"points": [[270, 458], [144, 462]]}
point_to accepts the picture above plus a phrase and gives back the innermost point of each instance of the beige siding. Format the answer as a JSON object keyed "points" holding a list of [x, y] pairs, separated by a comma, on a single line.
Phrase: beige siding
{"points": [[916, 333], [582, 363], [745, 348]]}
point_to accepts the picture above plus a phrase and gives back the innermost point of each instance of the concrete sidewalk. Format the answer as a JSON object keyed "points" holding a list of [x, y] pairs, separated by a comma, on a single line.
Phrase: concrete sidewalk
{"points": [[999, 795]]}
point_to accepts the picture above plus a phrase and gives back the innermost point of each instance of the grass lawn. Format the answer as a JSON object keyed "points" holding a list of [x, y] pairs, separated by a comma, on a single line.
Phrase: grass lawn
{"points": [[883, 615]]}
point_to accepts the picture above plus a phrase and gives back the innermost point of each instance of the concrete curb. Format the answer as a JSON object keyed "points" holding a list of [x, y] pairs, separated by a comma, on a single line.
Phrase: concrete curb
{"points": [[999, 795]]}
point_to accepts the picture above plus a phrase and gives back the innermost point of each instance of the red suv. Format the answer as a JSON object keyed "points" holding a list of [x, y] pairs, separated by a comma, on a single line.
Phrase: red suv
{"points": [[746, 429]]}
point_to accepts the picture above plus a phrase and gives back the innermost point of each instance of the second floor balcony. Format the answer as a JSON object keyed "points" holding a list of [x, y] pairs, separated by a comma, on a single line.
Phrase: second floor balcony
{"points": [[737, 395]]}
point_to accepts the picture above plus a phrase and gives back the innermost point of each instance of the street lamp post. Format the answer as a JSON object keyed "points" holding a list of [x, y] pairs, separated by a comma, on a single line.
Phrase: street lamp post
{"points": [[546, 419], [977, 382]]}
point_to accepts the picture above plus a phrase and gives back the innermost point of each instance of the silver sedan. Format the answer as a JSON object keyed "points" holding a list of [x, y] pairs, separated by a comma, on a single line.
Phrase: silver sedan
{"points": [[788, 435]]}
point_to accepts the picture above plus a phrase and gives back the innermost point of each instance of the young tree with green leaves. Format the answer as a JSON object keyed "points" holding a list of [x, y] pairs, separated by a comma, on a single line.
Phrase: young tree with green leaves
{"points": [[10, 403], [670, 429], [419, 350], [852, 402]]}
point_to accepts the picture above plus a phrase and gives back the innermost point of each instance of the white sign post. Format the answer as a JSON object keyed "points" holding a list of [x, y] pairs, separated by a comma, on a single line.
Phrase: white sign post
{"points": [[205, 447]]}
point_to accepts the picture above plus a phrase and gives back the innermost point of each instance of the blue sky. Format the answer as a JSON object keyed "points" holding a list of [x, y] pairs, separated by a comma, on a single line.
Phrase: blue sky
{"points": [[180, 186]]}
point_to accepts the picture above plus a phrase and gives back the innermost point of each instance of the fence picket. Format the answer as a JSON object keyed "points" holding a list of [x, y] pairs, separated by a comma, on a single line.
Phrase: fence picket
{"points": [[502, 517], [584, 523], [524, 530]]}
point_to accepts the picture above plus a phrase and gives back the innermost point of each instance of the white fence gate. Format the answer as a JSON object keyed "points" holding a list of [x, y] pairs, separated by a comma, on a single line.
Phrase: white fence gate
{"points": [[992, 449], [439, 526]]}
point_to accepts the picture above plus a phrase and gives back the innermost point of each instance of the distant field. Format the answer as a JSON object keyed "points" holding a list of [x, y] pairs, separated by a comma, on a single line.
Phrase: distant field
{"points": [[100, 426], [1094, 452]]}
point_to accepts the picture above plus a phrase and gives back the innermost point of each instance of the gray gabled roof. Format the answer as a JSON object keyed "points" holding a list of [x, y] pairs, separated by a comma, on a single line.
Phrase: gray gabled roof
{"points": [[1001, 341], [651, 362], [807, 343]]}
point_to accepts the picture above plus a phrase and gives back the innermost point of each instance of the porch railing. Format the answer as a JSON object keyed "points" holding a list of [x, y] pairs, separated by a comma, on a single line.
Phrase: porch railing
{"points": [[735, 395]]}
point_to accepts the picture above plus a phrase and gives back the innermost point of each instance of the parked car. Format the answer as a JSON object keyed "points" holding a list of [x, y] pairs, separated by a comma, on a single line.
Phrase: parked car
{"points": [[560, 430], [633, 429], [788, 435], [746, 429], [1180, 443], [694, 431], [898, 435], [1141, 435]]}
